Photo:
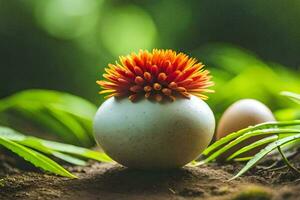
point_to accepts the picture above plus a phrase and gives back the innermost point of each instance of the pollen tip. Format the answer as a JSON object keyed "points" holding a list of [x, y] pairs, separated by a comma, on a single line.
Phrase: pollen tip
{"points": [[139, 80], [135, 88], [147, 95], [147, 88], [147, 76], [167, 91], [181, 89], [158, 97], [172, 85], [156, 86], [162, 77], [132, 97]]}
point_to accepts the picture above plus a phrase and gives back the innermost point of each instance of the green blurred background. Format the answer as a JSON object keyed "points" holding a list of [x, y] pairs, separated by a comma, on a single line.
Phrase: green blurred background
{"points": [[251, 47]]}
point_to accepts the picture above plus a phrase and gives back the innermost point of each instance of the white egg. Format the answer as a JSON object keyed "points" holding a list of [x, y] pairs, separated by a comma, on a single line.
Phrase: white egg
{"points": [[152, 135], [241, 114]]}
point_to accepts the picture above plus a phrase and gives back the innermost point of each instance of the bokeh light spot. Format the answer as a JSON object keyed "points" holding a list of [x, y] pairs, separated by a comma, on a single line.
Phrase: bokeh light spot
{"points": [[67, 19], [127, 29]]}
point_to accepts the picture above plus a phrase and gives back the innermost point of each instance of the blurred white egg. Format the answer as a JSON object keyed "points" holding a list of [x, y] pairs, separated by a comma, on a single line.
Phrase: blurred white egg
{"points": [[241, 114]]}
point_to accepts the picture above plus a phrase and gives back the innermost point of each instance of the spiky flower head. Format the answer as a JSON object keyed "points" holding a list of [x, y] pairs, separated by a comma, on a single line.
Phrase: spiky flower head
{"points": [[157, 75]]}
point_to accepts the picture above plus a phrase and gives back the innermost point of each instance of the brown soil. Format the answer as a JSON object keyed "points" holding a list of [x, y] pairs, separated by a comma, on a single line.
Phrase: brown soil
{"points": [[114, 182]]}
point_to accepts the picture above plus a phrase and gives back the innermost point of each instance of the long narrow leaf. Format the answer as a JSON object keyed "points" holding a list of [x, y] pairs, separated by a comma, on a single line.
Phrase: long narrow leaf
{"points": [[51, 147], [235, 135], [69, 103], [293, 96], [286, 161], [243, 159], [253, 145], [264, 152], [66, 148], [246, 136], [47, 122], [34, 157], [36, 143], [70, 159], [69, 122], [67, 115]]}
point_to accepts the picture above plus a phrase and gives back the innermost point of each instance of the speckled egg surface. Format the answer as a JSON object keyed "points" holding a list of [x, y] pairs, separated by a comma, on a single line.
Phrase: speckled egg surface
{"points": [[153, 135]]}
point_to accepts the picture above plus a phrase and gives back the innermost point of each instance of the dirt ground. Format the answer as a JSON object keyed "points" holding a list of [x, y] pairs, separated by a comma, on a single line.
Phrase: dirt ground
{"points": [[114, 182]]}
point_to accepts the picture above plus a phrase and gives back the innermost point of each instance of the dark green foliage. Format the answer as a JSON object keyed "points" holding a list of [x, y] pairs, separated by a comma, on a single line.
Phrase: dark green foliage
{"points": [[33, 150], [68, 116]]}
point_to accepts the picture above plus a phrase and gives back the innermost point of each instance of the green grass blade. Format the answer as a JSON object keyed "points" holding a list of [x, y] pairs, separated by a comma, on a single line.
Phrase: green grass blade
{"points": [[72, 124], [246, 136], [67, 102], [264, 152], [36, 143], [252, 146], [44, 120], [34, 157], [11, 134], [51, 147], [286, 161], [293, 96], [71, 149], [235, 135], [68, 116], [243, 159], [68, 158]]}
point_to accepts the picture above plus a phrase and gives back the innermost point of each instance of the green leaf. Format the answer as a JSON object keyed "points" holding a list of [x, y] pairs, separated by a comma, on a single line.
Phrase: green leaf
{"points": [[264, 152], [286, 161], [46, 121], [67, 148], [70, 159], [72, 124], [68, 116], [235, 135], [64, 101], [243, 159], [253, 145], [246, 136], [36, 158], [52, 148], [293, 96], [35, 143]]}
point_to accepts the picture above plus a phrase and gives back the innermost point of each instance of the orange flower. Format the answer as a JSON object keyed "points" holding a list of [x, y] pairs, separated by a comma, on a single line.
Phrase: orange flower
{"points": [[162, 73]]}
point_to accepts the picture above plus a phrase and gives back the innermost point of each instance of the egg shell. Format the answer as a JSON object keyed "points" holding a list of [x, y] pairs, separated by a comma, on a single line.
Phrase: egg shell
{"points": [[152, 135], [240, 115]]}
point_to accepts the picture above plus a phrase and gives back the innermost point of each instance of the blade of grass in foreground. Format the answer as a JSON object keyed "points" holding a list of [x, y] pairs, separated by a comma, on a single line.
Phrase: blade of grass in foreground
{"points": [[36, 158], [70, 159], [71, 124], [71, 149], [264, 152], [252, 146], [35, 143], [235, 135], [51, 147], [293, 96], [243, 159], [246, 136]]}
